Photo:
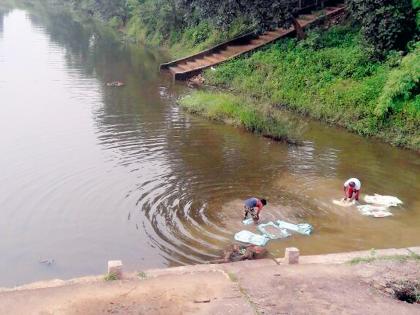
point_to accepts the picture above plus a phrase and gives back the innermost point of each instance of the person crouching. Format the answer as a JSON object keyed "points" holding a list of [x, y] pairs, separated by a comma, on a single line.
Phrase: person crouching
{"points": [[253, 206], [352, 189]]}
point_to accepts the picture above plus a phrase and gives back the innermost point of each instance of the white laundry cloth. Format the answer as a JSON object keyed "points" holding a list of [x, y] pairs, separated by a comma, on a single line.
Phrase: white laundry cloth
{"points": [[387, 201]]}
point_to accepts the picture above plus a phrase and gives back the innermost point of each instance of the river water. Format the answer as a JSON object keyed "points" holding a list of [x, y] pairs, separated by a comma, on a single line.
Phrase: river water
{"points": [[90, 173]]}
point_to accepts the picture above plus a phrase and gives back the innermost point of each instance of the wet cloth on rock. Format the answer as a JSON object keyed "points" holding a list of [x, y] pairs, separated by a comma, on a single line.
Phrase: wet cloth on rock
{"points": [[302, 228], [251, 238], [248, 221], [387, 201], [344, 203], [275, 231], [374, 211]]}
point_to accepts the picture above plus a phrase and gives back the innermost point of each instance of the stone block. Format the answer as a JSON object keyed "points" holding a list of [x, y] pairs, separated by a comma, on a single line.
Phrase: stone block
{"points": [[291, 255], [115, 268]]}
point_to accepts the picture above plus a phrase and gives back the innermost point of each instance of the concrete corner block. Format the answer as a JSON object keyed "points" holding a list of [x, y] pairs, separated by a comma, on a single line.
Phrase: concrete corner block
{"points": [[291, 255], [115, 267]]}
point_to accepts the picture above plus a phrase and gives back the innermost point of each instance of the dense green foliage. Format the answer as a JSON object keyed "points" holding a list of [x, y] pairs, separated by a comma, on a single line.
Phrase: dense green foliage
{"points": [[261, 14], [117, 11], [385, 24], [187, 25], [243, 112], [169, 23], [330, 77]]}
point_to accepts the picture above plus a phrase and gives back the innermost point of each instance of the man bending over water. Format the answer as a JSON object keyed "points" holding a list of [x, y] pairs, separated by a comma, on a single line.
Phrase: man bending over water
{"points": [[253, 207], [352, 189]]}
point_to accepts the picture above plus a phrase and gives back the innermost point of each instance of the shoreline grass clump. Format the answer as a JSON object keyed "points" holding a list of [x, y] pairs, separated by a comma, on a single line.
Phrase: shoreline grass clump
{"points": [[243, 112], [111, 277]]}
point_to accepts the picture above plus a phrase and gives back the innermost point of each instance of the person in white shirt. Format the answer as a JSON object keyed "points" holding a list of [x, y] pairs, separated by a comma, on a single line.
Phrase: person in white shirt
{"points": [[352, 189]]}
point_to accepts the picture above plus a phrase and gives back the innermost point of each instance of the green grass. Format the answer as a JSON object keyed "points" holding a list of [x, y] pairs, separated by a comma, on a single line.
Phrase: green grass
{"points": [[111, 277], [243, 112], [372, 258], [142, 275], [232, 277], [330, 77]]}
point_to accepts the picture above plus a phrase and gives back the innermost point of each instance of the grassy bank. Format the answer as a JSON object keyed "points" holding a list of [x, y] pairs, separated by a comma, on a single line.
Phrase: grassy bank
{"points": [[330, 77], [243, 112]]}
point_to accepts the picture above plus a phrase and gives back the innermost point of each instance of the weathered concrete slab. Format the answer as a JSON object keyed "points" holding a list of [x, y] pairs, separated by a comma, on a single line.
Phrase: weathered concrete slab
{"points": [[291, 255], [341, 258], [115, 267], [323, 286], [318, 289], [196, 293]]}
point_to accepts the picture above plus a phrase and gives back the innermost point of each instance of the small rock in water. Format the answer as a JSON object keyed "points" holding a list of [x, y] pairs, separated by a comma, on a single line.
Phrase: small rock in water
{"points": [[204, 300], [115, 84], [47, 261]]}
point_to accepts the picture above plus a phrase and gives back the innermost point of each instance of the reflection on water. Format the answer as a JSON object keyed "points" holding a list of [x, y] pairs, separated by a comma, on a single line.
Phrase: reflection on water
{"points": [[91, 173]]}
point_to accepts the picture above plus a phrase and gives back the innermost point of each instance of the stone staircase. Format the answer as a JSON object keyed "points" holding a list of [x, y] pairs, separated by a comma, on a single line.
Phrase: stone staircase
{"points": [[185, 68]]}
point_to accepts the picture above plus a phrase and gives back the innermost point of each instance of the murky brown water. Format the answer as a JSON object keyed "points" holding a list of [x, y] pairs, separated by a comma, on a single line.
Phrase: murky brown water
{"points": [[90, 173]]}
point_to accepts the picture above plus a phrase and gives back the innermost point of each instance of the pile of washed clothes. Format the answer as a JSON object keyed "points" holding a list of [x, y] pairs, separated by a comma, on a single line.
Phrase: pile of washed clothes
{"points": [[271, 231], [378, 206]]}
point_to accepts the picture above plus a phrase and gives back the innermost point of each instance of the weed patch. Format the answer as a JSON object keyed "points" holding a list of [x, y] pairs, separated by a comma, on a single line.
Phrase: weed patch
{"points": [[111, 277], [372, 258], [142, 275], [243, 112]]}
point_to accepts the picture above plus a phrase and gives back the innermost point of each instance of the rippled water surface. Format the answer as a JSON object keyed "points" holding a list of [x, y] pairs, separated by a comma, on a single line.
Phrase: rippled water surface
{"points": [[90, 173]]}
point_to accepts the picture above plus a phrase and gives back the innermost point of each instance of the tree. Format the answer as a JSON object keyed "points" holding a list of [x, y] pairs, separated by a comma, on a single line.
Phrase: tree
{"points": [[262, 14], [385, 24]]}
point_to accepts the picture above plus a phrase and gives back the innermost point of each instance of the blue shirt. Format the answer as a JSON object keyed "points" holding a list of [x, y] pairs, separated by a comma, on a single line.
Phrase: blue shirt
{"points": [[251, 202]]}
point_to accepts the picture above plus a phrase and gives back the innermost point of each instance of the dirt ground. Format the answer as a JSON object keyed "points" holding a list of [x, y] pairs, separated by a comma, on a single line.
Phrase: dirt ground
{"points": [[251, 287]]}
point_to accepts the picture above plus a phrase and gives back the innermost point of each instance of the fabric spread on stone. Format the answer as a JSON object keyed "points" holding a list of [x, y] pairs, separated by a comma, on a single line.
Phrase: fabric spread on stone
{"points": [[374, 211], [248, 221], [251, 238], [344, 203], [302, 228], [387, 201], [272, 231]]}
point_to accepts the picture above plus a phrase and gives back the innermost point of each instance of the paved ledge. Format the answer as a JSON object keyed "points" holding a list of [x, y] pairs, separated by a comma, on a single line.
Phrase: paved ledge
{"points": [[321, 284], [337, 258], [341, 258]]}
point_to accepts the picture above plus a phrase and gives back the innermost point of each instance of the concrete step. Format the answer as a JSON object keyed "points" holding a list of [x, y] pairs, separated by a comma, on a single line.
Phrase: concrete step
{"points": [[183, 66], [214, 59], [307, 17], [272, 33], [268, 37], [198, 63], [256, 42], [177, 69], [231, 50], [303, 23]]}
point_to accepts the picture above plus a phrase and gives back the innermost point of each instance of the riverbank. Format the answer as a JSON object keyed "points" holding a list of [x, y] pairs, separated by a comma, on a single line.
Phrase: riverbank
{"points": [[327, 284], [245, 113], [329, 77]]}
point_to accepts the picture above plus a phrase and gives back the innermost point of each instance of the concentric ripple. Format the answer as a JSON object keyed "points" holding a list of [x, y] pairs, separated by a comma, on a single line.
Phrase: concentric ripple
{"points": [[90, 173]]}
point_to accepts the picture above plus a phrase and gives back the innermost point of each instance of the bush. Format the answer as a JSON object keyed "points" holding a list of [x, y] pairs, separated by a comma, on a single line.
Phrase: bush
{"points": [[386, 24], [401, 91]]}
